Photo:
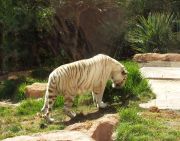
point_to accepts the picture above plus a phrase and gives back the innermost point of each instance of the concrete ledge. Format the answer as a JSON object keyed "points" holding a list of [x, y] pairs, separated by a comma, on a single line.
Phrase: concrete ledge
{"points": [[159, 64], [161, 73]]}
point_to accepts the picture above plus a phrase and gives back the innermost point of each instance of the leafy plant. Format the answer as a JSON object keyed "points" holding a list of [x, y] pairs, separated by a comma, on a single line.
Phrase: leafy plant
{"points": [[152, 34], [24, 27], [9, 89]]}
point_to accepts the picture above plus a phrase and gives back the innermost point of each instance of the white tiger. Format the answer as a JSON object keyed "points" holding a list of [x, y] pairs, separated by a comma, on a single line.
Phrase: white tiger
{"points": [[80, 76]]}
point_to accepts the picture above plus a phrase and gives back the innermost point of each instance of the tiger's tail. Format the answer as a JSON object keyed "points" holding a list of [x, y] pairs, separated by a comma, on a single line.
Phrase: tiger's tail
{"points": [[50, 94]]}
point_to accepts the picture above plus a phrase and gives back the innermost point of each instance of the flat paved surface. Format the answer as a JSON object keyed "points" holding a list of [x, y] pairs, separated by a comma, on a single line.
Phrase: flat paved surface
{"points": [[165, 83], [161, 72]]}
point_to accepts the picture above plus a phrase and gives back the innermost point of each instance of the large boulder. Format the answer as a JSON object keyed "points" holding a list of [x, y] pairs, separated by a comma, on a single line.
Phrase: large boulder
{"points": [[147, 57], [100, 130], [36, 90], [62, 135]]}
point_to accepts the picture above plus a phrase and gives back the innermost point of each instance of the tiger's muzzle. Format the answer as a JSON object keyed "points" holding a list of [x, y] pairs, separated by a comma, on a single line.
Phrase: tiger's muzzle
{"points": [[119, 84]]}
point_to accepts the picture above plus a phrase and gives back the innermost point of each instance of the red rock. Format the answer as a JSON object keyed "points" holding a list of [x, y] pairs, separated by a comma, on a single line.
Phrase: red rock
{"points": [[156, 57], [100, 129], [104, 127], [36, 90]]}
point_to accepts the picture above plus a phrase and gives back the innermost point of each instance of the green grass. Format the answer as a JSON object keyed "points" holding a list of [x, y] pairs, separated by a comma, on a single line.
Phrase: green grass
{"points": [[29, 107], [25, 119], [59, 102], [133, 127]]}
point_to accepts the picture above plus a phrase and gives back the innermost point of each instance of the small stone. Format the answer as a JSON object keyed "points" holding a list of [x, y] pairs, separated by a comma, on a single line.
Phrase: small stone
{"points": [[154, 109]]}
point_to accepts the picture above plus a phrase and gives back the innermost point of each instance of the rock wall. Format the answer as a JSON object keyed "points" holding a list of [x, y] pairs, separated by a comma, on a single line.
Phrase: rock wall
{"points": [[147, 57], [84, 28]]}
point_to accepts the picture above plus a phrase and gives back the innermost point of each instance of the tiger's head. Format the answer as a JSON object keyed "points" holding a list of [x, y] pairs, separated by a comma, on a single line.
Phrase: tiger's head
{"points": [[118, 76]]}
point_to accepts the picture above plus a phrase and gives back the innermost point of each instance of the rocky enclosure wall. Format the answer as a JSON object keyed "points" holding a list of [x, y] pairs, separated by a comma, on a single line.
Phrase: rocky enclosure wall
{"points": [[84, 28]]}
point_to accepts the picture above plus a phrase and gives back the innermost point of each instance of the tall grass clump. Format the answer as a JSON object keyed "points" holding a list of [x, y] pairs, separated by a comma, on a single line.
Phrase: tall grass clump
{"points": [[29, 107], [136, 87], [152, 34]]}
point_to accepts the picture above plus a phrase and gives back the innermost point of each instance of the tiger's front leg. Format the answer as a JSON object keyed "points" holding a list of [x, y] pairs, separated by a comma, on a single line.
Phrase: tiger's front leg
{"points": [[68, 102], [97, 97]]}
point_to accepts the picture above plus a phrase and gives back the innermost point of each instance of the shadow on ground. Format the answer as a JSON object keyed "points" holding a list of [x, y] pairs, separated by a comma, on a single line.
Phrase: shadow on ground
{"points": [[80, 117]]}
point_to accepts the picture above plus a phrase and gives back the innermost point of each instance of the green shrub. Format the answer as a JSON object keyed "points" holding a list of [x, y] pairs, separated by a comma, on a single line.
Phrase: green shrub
{"points": [[20, 94], [25, 25], [10, 88], [152, 34]]}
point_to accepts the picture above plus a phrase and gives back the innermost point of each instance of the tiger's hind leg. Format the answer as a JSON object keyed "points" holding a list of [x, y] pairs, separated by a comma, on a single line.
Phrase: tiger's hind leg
{"points": [[50, 98], [45, 106], [68, 102]]}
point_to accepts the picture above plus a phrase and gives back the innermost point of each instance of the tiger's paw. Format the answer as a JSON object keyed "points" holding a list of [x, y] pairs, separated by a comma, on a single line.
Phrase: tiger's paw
{"points": [[50, 120], [102, 105], [69, 113]]}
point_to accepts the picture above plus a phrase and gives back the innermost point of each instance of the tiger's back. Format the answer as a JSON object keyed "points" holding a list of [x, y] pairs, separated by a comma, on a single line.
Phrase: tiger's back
{"points": [[81, 75]]}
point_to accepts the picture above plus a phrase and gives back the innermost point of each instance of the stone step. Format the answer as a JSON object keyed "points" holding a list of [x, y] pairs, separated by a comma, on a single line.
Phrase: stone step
{"points": [[164, 73], [160, 64]]}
